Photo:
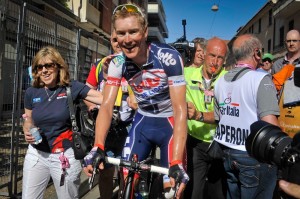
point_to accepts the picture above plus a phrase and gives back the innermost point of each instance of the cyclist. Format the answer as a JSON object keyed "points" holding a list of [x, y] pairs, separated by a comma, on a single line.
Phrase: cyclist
{"points": [[155, 74], [122, 120]]}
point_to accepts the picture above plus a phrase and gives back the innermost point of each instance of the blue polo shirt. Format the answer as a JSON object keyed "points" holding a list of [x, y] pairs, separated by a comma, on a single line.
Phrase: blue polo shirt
{"points": [[52, 116]]}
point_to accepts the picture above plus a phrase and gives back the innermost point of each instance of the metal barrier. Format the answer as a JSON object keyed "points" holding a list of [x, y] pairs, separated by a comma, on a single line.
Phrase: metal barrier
{"points": [[24, 29]]}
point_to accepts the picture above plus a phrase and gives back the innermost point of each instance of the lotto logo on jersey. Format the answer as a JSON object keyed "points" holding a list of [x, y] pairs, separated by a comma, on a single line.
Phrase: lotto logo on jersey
{"points": [[166, 58]]}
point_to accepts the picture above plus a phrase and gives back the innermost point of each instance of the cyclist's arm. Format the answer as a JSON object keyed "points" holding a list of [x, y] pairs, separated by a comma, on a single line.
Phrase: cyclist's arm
{"points": [[110, 93], [177, 94], [177, 89], [105, 114]]}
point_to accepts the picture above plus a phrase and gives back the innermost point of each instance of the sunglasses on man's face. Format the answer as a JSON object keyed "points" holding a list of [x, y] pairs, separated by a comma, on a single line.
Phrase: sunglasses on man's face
{"points": [[129, 8], [267, 59], [48, 66]]}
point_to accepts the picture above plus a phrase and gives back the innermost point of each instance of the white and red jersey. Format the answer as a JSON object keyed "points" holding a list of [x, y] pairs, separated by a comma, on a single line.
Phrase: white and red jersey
{"points": [[150, 83]]}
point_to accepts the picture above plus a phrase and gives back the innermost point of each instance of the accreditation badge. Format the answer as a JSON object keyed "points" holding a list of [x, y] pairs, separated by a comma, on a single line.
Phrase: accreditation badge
{"points": [[208, 95]]}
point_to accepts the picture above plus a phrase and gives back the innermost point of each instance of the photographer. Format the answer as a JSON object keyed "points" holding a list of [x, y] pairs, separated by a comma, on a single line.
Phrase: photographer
{"points": [[243, 96], [290, 188], [267, 143]]}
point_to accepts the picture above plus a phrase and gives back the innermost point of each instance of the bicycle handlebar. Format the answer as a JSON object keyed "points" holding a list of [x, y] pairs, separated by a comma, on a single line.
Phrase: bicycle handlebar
{"points": [[139, 166], [142, 166]]}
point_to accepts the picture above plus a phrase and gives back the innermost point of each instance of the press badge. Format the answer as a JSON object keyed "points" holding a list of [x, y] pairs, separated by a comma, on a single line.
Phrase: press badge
{"points": [[208, 95], [207, 99]]}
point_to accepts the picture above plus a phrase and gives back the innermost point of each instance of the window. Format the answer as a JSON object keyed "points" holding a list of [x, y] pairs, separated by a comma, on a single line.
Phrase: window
{"points": [[259, 25], [291, 24], [270, 17], [251, 29], [97, 4], [281, 36]]}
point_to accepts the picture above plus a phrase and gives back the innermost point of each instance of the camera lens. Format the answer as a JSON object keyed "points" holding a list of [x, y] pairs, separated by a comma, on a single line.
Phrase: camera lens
{"points": [[267, 143], [297, 76]]}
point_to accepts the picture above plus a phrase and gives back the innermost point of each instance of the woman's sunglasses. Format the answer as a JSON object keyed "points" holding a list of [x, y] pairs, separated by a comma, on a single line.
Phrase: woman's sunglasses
{"points": [[129, 8], [48, 66]]}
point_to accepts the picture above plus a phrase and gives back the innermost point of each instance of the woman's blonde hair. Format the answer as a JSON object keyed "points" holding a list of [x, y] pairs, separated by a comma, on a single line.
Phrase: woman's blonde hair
{"points": [[50, 52]]}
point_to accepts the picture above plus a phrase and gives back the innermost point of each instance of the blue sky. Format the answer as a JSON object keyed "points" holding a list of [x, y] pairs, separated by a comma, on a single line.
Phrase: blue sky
{"points": [[201, 21]]}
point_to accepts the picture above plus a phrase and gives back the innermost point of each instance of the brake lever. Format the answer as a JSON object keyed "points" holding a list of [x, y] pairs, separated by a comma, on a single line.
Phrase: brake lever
{"points": [[177, 185], [92, 178], [95, 168], [176, 189]]}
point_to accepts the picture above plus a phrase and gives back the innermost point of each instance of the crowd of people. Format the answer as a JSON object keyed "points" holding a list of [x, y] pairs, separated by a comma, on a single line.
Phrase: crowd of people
{"points": [[185, 109]]}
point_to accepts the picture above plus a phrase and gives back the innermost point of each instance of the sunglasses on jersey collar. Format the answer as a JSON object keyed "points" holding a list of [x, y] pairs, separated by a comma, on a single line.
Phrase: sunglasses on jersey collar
{"points": [[129, 8], [48, 66]]}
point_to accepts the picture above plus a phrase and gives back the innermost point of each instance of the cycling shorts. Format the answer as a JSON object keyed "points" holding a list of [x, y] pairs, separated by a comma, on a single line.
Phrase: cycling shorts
{"points": [[145, 134]]}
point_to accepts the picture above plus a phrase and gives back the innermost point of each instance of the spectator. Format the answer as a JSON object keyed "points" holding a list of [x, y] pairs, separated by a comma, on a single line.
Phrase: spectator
{"points": [[155, 74], [46, 103], [243, 96], [280, 77], [289, 98], [199, 46], [201, 123], [292, 56], [197, 55], [267, 62]]}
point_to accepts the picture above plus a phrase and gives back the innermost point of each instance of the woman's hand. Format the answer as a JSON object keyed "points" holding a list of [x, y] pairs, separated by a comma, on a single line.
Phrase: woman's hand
{"points": [[28, 137]]}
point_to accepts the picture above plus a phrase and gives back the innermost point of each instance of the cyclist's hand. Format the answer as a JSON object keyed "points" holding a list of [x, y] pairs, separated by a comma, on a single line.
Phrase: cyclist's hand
{"points": [[95, 159], [178, 175]]}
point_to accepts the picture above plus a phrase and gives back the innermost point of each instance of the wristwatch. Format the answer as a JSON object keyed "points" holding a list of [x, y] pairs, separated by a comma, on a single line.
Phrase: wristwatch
{"points": [[201, 118]]}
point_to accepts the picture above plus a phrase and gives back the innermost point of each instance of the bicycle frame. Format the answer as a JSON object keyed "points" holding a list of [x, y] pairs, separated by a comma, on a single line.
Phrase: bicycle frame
{"points": [[135, 167]]}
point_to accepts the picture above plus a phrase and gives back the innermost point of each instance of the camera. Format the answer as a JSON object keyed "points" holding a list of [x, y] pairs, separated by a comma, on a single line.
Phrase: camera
{"points": [[186, 49], [267, 143], [297, 75]]}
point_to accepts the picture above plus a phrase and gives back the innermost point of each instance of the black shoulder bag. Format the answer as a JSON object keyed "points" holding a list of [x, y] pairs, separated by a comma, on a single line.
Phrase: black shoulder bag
{"points": [[83, 135]]}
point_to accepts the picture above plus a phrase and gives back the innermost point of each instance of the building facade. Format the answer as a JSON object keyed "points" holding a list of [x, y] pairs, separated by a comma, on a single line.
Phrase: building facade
{"points": [[158, 30], [271, 23]]}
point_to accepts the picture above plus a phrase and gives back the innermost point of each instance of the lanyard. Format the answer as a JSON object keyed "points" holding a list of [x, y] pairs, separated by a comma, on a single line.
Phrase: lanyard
{"points": [[64, 165]]}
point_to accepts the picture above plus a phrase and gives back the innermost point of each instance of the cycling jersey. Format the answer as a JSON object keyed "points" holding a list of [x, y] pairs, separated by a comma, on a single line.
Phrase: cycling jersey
{"points": [[150, 82], [153, 124]]}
